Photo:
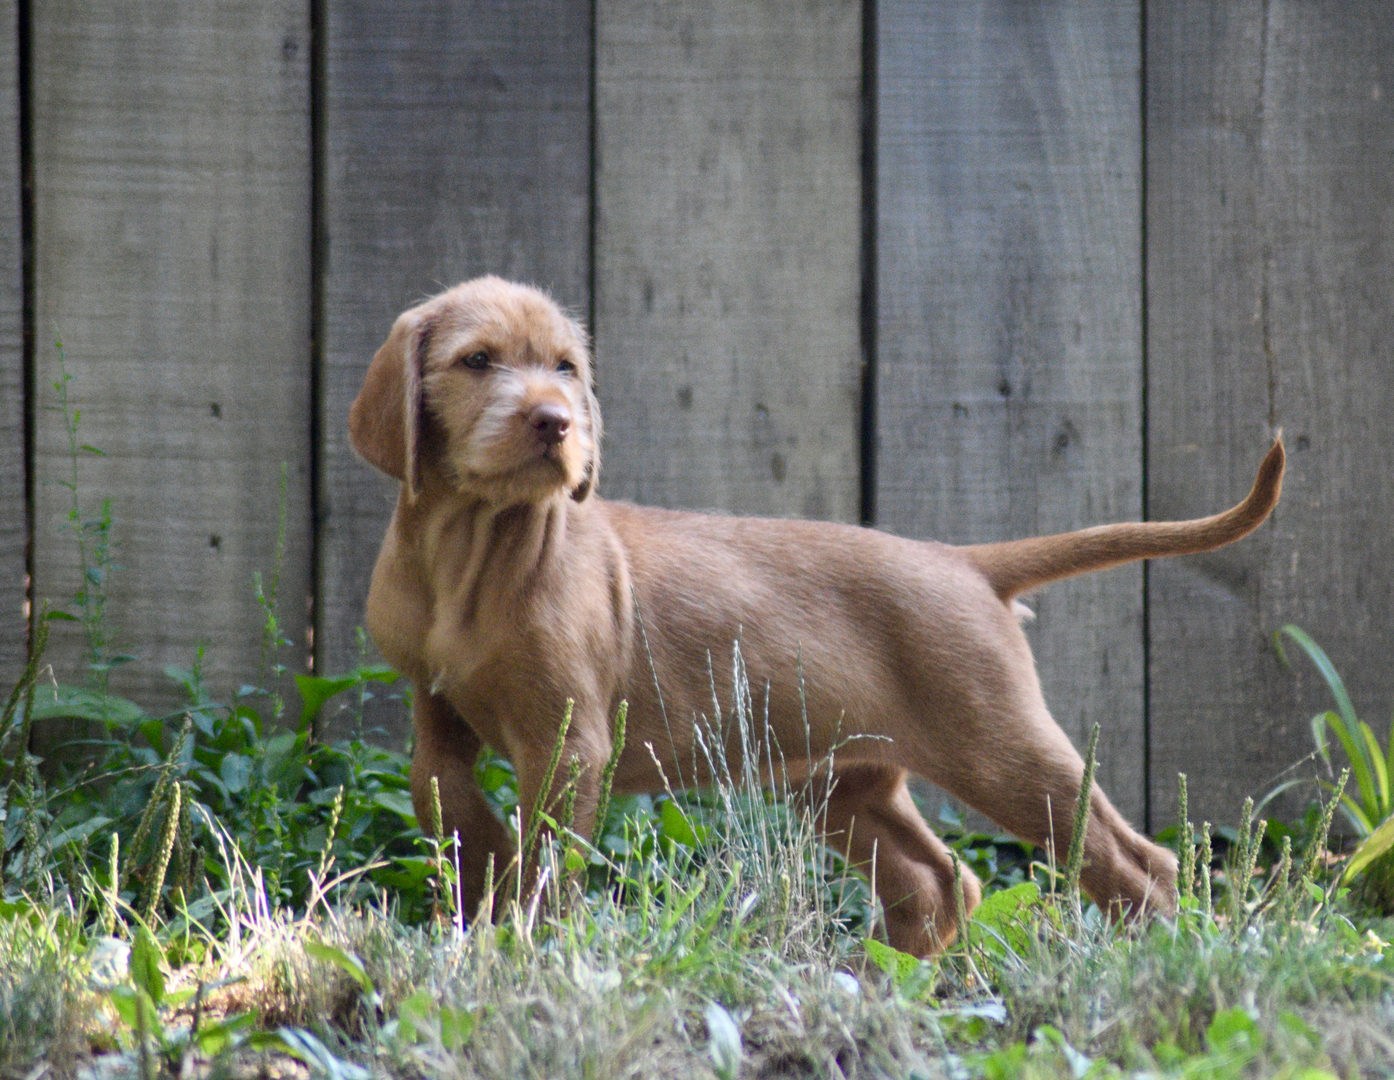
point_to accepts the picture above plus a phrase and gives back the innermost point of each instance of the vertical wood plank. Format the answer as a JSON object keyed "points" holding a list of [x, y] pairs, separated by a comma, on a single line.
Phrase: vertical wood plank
{"points": [[1270, 248], [727, 253], [457, 143], [13, 511], [1008, 354], [171, 150]]}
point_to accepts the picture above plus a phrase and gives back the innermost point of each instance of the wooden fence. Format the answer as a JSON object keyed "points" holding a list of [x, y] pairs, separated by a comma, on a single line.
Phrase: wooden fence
{"points": [[960, 268]]}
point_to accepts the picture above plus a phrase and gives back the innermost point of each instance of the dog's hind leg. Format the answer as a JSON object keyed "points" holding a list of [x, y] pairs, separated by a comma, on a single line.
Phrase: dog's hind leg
{"points": [[870, 816], [447, 748], [1012, 762]]}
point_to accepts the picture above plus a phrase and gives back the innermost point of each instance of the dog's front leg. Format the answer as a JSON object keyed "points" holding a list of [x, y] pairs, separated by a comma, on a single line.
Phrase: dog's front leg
{"points": [[447, 748]]}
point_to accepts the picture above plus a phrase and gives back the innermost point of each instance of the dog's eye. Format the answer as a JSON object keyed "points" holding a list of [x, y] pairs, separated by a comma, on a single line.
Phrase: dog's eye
{"points": [[476, 361], [566, 367]]}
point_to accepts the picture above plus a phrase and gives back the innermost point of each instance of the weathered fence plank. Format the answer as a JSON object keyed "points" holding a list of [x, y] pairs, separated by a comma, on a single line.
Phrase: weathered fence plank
{"points": [[172, 194], [458, 143], [13, 510], [1270, 246], [1008, 354], [727, 254]]}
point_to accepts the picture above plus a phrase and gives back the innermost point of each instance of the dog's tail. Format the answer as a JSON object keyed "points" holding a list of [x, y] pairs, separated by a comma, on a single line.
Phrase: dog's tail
{"points": [[1015, 566]]}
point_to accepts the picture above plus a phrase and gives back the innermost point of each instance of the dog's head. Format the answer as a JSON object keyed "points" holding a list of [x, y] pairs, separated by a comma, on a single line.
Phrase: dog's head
{"points": [[490, 384]]}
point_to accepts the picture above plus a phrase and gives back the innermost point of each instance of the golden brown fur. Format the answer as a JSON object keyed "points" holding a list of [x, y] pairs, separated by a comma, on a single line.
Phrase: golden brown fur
{"points": [[505, 586]]}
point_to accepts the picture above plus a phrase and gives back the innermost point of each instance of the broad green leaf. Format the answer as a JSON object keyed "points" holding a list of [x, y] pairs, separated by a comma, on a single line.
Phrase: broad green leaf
{"points": [[1357, 815], [1389, 757], [415, 1013], [147, 965], [420, 1018], [1381, 773], [1080, 1064], [678, 826], [79, 831], [1324, 665], [456, 1027], [1232, 1030], [134, 1007], [345, 961], [1001, 919], [315, 690], [217, 1038], [406, 872], [235, 771], [1359, 764], [898, 965], [399, 802], [303, 1046], [63, 702], [1370, 849], [1295, 1025]]}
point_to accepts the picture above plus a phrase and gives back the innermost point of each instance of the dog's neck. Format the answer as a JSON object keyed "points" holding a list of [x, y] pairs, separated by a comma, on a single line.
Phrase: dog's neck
{"points": [[504, 549]]}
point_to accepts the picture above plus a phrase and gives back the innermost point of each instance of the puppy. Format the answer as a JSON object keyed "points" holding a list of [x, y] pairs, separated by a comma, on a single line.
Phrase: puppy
{"points": [[506, 586]]}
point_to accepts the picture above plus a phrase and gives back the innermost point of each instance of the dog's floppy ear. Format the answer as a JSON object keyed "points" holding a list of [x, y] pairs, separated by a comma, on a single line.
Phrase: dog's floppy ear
{"points": [[592, 406], [386, 416]]}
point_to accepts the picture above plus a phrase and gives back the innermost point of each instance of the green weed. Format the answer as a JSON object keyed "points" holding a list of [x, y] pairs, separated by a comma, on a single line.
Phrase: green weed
{"points": [[1370, 807]]}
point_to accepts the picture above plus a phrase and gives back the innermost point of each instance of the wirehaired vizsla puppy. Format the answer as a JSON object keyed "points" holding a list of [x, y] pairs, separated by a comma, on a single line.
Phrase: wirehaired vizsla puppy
{"points": [[506, 586]]}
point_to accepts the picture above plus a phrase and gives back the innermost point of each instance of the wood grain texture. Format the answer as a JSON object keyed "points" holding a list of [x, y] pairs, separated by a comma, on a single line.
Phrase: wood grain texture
{"points": [[14, 528], [1270, 248], [1009, 344], [171, 150], [458, 143], [727, 254]]}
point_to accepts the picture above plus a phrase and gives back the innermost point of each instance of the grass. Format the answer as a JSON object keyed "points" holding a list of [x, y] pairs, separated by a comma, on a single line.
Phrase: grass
{"points": [[705, 934], [209, 893]]}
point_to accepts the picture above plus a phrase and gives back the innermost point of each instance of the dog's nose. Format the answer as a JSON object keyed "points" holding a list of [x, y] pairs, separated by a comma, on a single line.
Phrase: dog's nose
{"points": [[550, 421]]}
